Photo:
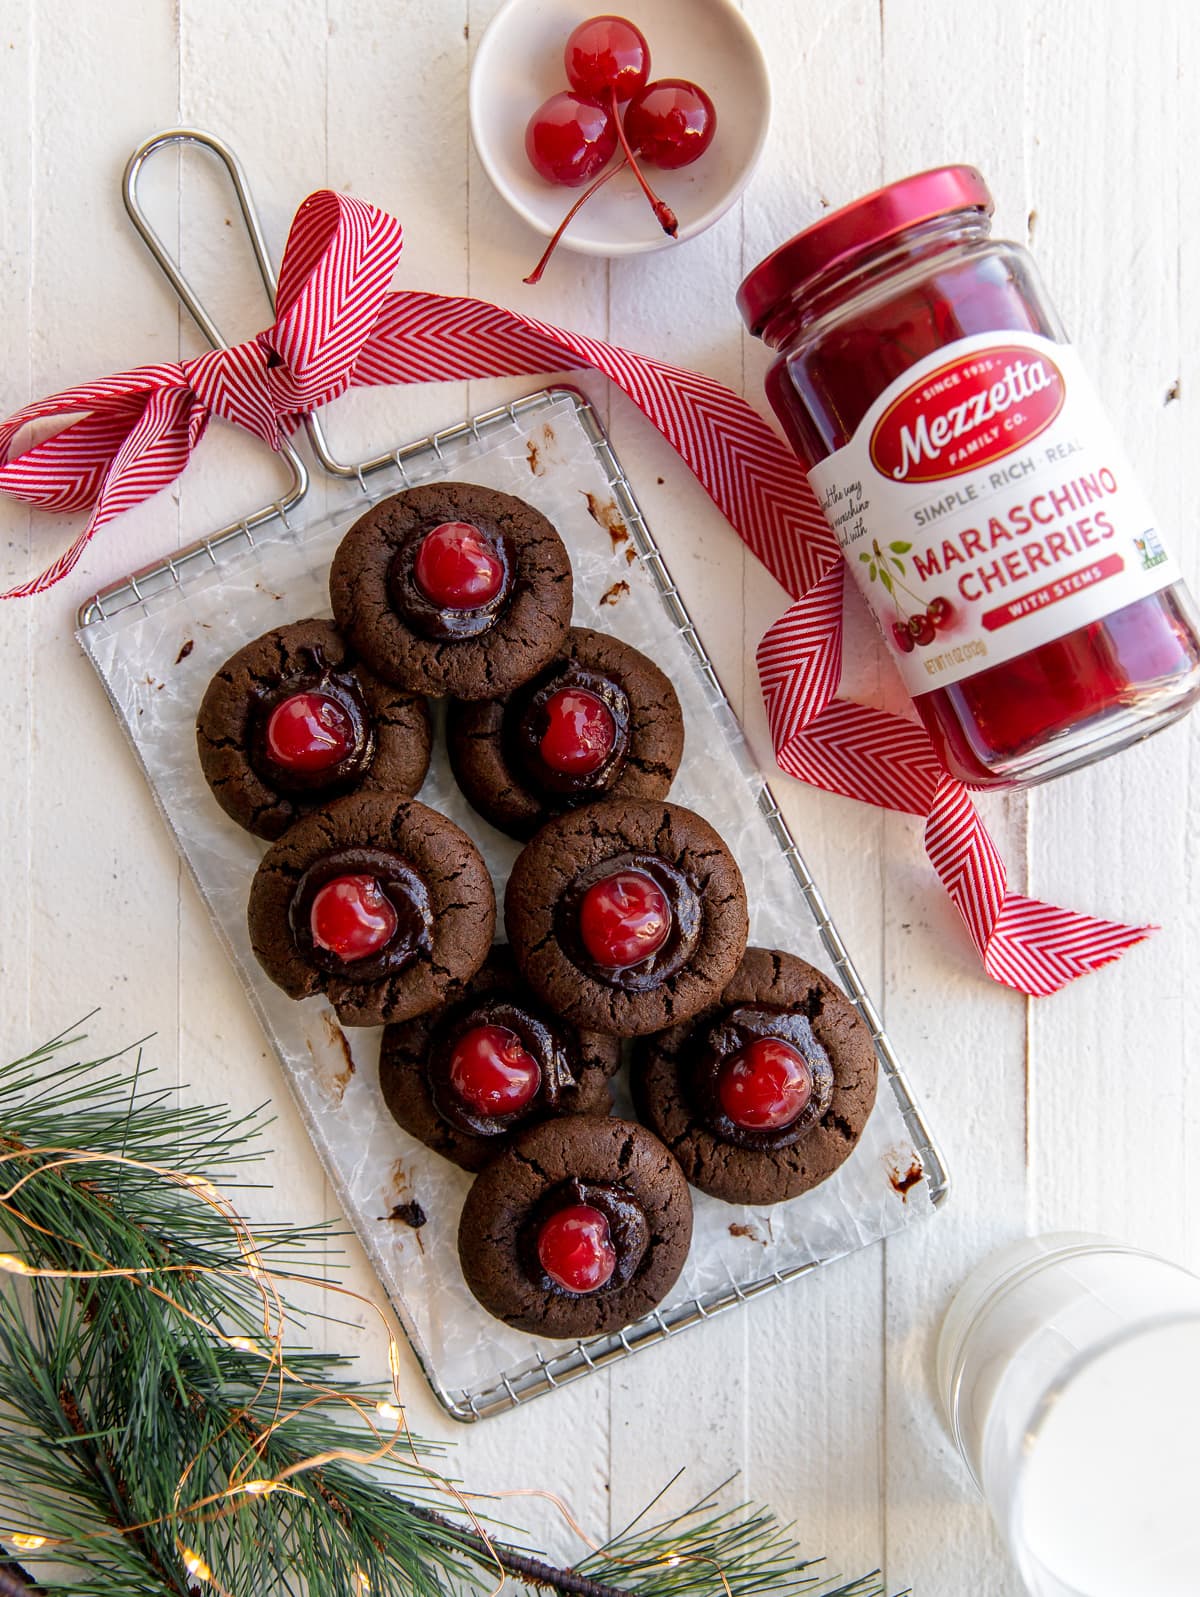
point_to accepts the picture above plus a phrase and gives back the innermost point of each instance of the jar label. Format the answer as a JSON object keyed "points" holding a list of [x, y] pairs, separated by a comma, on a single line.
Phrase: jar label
{"points": [[985, 507]]}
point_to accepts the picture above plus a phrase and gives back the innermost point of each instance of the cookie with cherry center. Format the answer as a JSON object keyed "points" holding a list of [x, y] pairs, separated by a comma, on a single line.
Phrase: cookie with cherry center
{"points": [[466, 1078], [453, 589], [601, 721], [626, 916], [378, 902], [578, 1228], [295, 719], [764, 1094]]}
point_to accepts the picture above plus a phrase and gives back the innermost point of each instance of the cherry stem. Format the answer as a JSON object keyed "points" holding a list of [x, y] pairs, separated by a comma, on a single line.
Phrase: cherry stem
{"points": [[666, 216], [536, 275]]}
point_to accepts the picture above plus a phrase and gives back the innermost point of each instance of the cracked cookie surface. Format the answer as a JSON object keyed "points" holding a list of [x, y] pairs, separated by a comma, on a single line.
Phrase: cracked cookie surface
{"points": [[529, 624], [494, 768], [586, 841], [506, 1196], [241, 694], [461, 902], [404, 1065], [666, 1068]]}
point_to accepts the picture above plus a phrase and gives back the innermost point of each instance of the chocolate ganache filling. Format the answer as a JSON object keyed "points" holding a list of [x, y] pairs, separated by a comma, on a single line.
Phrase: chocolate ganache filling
{"points": [[444, 623], [629, 1231], [405, 891], [728, 1034], [687, 917], [541, 1040], [525, 725], [356, 730]]}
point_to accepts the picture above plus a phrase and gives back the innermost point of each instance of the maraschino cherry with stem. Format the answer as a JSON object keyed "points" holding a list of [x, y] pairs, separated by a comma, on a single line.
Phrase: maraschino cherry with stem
{"points": [[668, 123], [570, 138]]}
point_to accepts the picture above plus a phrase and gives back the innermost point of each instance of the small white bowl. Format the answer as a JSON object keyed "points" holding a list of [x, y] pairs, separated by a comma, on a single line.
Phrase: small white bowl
{"points": [[519, 64]]}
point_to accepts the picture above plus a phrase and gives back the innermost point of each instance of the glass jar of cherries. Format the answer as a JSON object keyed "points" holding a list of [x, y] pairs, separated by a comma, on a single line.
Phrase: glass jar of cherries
{"points": [[978, 492]]}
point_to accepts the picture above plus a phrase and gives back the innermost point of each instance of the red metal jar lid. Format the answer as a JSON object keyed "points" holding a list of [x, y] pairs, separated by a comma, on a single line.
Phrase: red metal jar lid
{"points": [[855, 227]]}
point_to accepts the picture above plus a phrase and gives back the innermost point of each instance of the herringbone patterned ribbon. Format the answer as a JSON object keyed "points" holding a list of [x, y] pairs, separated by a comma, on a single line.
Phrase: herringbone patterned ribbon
{"points": [[337, 326]]}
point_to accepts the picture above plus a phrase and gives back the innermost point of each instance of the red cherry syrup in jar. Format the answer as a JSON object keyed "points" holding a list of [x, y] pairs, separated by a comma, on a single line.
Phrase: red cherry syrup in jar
{"points": [[978, 492]]}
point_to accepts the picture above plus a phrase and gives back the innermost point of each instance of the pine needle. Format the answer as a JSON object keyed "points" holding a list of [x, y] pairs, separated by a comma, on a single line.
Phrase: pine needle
{"points": [[145, 1421]]}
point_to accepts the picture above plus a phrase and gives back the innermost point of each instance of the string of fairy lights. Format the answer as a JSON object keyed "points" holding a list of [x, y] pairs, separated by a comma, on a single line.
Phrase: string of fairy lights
{"points": [[255, 1486]]}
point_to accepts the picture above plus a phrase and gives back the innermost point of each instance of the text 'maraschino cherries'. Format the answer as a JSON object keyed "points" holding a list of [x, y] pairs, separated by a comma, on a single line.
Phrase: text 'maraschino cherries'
{"points": [[309, 732], [575, 1248], [572, 136], [624, 918], [579, 734], [766, 1085], [492, 1071], [352, 917], [457, 568]]}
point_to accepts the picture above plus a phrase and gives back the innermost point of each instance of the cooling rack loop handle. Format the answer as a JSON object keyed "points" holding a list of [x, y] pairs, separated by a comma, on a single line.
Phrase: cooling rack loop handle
{"points": [[171, 270]]}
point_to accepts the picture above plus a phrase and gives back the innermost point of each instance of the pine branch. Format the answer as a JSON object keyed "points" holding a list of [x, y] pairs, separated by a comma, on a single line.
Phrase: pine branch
{"points": [[126, 1404]]}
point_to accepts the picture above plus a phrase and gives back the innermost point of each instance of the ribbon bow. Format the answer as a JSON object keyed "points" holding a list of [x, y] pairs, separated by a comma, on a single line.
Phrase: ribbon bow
{"points": [[338, 326]]}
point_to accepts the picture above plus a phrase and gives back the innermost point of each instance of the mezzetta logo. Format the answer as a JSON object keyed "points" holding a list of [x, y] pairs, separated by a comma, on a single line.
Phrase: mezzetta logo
{"points": [[968, 413]]}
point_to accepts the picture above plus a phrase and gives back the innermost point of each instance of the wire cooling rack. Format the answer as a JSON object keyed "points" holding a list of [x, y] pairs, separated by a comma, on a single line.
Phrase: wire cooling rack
{"points": [[151, 588]]}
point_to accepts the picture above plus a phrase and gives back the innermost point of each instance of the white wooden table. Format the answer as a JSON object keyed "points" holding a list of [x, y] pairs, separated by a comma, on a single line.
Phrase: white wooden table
{"points": [[1079, 1111]]}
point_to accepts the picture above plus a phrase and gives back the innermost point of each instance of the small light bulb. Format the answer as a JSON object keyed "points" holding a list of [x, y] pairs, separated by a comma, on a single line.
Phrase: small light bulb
{"points": [[259, 1488], [25, 1542], [361, 1583], [242, 1343], [388, 1412], [14, 1266], [195, 1565]]}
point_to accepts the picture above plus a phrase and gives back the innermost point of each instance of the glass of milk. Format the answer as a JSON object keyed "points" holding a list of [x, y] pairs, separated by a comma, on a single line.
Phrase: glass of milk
{"points": [[1069, 1368]]}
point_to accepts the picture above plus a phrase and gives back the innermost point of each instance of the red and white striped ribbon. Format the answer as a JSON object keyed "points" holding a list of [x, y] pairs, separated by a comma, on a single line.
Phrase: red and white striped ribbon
{"points": [[338, 326]]}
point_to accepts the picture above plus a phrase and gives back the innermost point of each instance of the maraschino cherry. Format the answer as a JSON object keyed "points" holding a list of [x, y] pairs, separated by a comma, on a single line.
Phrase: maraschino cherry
{"points": [[766, 1085], [670, 123], [580, 732], [570, 138], [492, 1071], [352, 917], [607, 53], [624, 918], [309, 732], [575, 1248], [457, 568]]}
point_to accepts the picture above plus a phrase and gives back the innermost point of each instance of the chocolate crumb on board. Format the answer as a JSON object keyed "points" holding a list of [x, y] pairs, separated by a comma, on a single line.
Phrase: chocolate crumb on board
{"points": [[605, 514], [630, 556], [188, 645], [338, 1083], [661, 480], [613, 594], [754, 1234], [534, 457], [337, 1035], [410, 1214], [1172, 392], [903, 1184]]}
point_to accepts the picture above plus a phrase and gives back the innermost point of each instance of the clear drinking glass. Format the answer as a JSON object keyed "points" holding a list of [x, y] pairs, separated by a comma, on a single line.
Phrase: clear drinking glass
{"points": [[1069, 1369]]}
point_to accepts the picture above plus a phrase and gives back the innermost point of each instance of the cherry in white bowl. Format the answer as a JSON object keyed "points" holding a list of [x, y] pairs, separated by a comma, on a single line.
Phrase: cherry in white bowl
{"points": [[519, 65]]}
